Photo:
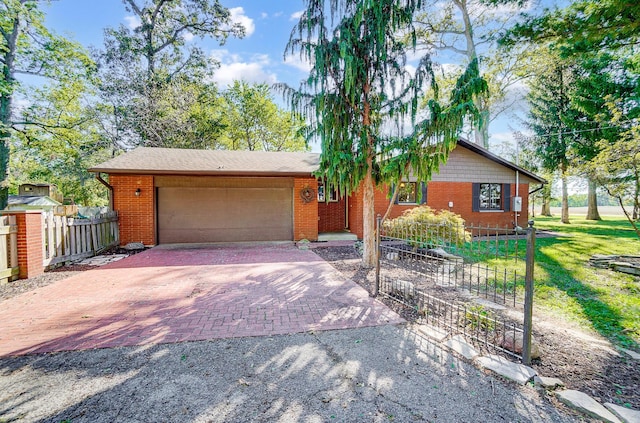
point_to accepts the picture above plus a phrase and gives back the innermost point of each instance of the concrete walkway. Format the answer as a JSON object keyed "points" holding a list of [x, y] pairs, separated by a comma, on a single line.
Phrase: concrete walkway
{"points": [[186, 293]]}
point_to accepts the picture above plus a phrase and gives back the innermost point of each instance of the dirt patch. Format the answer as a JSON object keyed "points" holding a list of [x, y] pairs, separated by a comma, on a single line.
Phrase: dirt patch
{"points": [[583, 361]]}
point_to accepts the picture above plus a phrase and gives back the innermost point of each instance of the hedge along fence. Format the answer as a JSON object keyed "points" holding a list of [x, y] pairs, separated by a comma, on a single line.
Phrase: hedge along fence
{"points": [[426, 228], [67, 239]]}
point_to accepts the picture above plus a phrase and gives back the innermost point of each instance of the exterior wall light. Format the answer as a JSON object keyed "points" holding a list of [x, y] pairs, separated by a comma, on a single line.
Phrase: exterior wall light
{"points": [[137, 192]]}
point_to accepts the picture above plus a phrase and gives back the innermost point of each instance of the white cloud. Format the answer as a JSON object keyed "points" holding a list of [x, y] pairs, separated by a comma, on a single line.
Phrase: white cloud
{"points": [[264, 15], [296, 62], [238, 16], [187, 36], [296, 15], [132, 21], [234, 67]]}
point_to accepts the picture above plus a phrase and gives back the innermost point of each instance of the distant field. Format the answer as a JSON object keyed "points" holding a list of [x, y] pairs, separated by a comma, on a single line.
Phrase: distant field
{"points": [[582, 211]]}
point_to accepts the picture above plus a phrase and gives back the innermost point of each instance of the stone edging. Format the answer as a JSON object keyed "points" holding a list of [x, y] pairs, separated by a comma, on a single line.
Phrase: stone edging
{"points": [[522, 375]]}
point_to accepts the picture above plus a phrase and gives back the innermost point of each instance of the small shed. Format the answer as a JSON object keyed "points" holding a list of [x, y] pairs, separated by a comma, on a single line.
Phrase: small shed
{"points": [[31, 202], [40, 190]]}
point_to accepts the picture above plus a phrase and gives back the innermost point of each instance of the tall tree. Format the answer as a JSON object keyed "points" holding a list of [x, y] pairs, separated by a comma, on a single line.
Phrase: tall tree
{"points": [[616, 167], [549, 108], [359, 96], [27, 47], [62, 146], [141, 65], [470, 28], [255, 122], [583, 27]]}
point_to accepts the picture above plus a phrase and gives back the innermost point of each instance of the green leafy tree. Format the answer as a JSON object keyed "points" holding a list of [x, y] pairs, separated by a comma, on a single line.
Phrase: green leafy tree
{"points": [[27, 47], [255, 122], [470, 28], [141, 68], [601, 79], [62, 146], [616, 167], [583, 27], [549, 103], [359, 95]]}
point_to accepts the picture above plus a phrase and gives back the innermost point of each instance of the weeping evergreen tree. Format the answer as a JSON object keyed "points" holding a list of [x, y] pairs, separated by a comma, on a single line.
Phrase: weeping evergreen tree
{"points": [[362, 103]]}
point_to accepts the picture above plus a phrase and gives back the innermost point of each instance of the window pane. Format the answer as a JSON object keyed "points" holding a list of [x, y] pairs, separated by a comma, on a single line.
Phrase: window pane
{"points": [[490, 197], [407, 192]]}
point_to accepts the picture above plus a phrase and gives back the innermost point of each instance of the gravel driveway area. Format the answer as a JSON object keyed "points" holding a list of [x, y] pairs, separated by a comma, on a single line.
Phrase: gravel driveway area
{"points": [[373, 374]]}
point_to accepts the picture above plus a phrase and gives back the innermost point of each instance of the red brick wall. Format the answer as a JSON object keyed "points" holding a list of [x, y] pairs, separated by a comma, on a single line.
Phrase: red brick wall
{"points": [[30, 243], [438, 196], [305, 215], [440, 193], [136, 213], [331, 216]]}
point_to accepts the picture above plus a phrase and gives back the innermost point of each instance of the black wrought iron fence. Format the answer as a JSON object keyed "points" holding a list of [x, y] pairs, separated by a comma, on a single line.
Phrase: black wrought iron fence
{"points": [[417, 259], [487, 329]]}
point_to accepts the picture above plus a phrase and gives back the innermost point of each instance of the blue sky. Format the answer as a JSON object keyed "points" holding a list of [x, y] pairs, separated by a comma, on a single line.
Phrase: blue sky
{"points": [[258, 57]]}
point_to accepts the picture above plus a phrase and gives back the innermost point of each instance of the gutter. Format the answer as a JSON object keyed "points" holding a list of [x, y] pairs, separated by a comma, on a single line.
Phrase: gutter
{"points": [[109, 187], [537, 189]]}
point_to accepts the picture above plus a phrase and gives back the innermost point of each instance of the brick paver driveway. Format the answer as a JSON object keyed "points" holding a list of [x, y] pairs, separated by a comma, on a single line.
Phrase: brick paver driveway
{"points": [[187, 293]]}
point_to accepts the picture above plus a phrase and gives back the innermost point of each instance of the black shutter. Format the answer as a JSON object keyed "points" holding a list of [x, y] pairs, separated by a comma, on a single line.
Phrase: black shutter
{"points": [[423, 189], [506, 197], [475, 197]]}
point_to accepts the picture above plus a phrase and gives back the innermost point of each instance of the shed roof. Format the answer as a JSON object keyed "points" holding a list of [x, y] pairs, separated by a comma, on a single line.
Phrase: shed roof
{"points": [[175, 161], [31, 200]]}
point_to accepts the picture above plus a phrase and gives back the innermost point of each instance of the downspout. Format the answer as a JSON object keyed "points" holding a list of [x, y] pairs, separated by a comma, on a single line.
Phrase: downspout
{"points": [[109, 187], [517, 193]]}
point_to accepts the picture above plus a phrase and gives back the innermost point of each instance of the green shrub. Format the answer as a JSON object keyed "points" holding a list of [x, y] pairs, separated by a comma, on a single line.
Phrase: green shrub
{"points": [[425, 227]]}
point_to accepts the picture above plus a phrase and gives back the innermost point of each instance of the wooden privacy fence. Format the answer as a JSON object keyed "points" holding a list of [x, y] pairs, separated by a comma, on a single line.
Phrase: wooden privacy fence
{"points": [[9, 269], [66, 238]]}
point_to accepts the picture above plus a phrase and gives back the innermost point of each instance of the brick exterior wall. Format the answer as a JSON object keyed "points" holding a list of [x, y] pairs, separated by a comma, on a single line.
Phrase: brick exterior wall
{"points": [[30, 242], [438, 196], [331, 216], [136, 213], [305, 215]]}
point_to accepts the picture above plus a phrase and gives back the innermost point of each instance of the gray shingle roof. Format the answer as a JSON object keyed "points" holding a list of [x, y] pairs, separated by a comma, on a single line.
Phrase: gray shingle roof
{"points": [[158, 161]]}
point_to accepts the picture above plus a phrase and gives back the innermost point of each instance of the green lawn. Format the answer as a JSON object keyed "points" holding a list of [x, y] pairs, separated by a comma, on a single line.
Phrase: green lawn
{"points": [[598, 299], [605, 301]]}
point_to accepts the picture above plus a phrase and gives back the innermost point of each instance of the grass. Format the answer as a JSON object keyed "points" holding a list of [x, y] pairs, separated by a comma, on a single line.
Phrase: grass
{"points": [[602, 300]]}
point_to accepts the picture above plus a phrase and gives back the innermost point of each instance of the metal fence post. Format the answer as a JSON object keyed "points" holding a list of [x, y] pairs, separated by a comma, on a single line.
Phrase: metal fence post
{"points": [[376, 287], [528, 294]]}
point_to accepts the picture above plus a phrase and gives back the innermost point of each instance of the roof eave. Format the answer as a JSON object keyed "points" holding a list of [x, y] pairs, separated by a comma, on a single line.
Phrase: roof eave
{"points": [[198, 172], [489, 155]]}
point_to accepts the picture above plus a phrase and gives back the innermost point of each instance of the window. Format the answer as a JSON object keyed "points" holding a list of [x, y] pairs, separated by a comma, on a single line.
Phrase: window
{"points": [[410, 193], [333, 194], [491, 197], [407, 192]]}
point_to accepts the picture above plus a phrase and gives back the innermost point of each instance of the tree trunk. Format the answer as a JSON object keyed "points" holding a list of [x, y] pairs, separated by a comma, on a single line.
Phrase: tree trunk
{"points": [[592, 202], [5, 109], [545, 210], [369, 255], [565, 196]]}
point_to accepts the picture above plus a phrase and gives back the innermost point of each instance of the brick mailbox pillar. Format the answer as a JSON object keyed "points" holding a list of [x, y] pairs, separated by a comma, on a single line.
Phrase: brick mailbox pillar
{"points": [[30, 242]]}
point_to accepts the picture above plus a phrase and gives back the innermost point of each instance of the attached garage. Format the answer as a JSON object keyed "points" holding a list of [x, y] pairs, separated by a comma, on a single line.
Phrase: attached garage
{"points": [[204, 209], [167, 195]]}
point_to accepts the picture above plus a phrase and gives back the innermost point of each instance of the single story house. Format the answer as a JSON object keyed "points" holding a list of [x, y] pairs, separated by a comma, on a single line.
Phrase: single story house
{"points": [[180, 196]]}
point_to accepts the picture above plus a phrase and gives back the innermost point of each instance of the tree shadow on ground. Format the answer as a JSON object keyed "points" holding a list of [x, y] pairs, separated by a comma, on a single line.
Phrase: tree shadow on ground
{"points": [[370, 374]]}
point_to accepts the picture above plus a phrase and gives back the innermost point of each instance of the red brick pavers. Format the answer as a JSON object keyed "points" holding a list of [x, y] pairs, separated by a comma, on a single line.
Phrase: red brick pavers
{"points": [[188, 293]]}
